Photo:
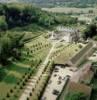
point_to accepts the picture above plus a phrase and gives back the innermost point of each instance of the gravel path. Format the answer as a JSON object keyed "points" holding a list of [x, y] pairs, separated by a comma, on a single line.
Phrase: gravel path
{"points": [[33, 81]]}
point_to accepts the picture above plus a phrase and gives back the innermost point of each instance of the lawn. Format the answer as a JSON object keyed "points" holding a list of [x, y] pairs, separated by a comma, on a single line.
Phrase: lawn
{"points": [[31, 31], [67, 53], [38, 49], [38, 55], [13, 74], [35, 41]]}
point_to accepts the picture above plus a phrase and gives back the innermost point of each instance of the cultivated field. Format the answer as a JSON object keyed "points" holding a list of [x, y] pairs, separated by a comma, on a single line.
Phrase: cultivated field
{"points": [[69, 10]]}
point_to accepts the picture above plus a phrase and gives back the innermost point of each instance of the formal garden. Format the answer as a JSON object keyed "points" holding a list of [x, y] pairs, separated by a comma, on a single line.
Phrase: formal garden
{"points": [[24, 48], [16, 73]]}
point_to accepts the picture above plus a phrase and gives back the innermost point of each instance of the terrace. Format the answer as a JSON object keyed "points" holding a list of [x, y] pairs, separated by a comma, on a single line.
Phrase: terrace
{"points": [[18, 73], [68, 52]]}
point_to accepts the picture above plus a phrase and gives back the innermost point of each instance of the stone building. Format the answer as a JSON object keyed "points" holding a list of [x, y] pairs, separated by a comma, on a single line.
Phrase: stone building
{"points": [[67, 34]]}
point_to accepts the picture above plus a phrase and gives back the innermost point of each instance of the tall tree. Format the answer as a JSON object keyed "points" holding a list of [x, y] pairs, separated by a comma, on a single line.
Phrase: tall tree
{"points": [[9, 47], [90, 31]]}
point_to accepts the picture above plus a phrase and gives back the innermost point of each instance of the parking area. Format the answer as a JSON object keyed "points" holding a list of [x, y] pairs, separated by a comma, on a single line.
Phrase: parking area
{"points": [[58, 79]]}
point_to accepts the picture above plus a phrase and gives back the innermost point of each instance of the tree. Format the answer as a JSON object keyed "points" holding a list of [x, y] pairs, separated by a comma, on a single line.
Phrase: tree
{"points": [[3, 24], [1, 10], [13, 15], [45, 19], [9, 47], [27, 15], [30, 14], [5, 45], [90, 31], [91, 11]]}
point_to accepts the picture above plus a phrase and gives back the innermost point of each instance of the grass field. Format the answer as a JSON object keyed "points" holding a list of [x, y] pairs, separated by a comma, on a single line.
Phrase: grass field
{"points": [[13, 74]]}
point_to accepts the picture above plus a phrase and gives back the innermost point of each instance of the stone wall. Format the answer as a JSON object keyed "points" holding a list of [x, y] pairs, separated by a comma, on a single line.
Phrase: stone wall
{"points": [[82, 55]]}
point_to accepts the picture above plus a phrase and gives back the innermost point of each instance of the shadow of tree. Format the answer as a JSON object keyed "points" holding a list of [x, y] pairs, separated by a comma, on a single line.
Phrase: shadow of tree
{"points": [[16, 68], [2, 73], [11, 79], [6, 76]]}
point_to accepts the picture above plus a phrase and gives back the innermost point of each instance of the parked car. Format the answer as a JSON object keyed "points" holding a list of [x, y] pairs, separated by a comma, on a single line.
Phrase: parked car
{"points": [[55, 92]]}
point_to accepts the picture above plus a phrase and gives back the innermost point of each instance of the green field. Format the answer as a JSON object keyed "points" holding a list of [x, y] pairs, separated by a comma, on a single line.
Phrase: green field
{"points": [[69, 10], [13, 74], [66, 53]]}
